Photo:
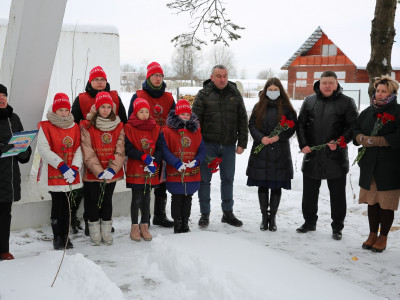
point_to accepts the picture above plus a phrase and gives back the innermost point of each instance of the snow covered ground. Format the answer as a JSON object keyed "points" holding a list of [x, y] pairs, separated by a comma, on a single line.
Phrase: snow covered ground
{"points": [[220, 262]]}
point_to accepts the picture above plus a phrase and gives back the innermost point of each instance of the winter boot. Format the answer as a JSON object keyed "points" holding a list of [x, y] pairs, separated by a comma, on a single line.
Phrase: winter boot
{"points": [[160, 217], [373, 236], [204, 220], [380, 244], [229, 218], [144, 232], [58, 240], [185, 224], [6, 256], [105, 228], [178, 225], [263, 199], [94, 231], [135, 233], [274, 204], [69, 244], [86, 227]]}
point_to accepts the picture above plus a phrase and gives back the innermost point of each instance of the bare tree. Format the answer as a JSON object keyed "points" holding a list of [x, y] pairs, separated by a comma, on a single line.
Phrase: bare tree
{"points": [[185, 62], [243, 74], [266, 74], [222, 55], [283, 75], [211, 16], [382, 37]]}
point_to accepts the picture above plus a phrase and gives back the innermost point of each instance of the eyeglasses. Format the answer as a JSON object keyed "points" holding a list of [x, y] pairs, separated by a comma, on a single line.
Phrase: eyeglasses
{"points": [[99, 80], [157, 75]]}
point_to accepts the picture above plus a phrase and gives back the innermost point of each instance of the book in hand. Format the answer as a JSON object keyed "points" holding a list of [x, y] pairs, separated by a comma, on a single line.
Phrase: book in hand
{"points": [[21, 141]]}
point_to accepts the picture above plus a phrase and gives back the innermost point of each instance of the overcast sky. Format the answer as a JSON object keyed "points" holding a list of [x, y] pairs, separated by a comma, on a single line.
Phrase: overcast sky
{"points": [[274, 29]]}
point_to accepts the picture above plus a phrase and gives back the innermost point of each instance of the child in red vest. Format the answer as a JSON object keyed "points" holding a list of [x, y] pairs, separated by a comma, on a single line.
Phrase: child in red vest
{"points": [[184, 151], [143, 146], [103, 148], [59, 146]]}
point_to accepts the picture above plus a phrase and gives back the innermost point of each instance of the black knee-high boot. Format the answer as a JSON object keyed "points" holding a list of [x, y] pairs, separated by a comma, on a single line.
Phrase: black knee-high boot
{"points": [[263, 199], [274, 204]]}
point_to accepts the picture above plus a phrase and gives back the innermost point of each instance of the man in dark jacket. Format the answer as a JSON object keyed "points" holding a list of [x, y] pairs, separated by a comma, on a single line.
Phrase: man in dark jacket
{"points": [[325, 117], [10, 176], [223, 120]]}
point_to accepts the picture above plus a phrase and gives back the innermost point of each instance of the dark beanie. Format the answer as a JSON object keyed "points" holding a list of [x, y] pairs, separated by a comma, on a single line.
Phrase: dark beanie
{"points": [[3, 90]]}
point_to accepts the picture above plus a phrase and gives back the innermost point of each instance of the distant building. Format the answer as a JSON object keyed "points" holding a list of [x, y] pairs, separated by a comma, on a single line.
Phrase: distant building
{"points": [[319, 54], [129, 81]]}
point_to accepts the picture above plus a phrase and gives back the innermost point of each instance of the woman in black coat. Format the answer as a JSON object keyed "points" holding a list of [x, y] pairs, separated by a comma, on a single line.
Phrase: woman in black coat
{"points": [[379, 175], [10, 176], [272, 167]]}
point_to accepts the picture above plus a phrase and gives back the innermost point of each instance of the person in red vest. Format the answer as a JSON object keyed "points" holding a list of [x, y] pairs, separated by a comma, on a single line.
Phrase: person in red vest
{"points": [[184, 150], [81, 107], [161, 103], [143, 146], [59, 146], [103, 149]]}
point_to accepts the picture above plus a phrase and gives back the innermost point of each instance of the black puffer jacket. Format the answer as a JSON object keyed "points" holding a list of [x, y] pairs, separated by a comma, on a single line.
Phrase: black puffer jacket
{"points": [[10, 176], [222, 114], [274, 161], [320, 121], [380, 163]]}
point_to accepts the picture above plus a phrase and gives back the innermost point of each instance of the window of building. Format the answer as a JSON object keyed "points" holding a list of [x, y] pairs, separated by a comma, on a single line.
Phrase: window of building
{"points": [[341, 76], [329, 50], [301, 79]]}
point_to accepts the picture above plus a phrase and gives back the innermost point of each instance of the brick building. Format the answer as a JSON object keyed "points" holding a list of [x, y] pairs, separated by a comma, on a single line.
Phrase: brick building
{"points": [[316, 55]]}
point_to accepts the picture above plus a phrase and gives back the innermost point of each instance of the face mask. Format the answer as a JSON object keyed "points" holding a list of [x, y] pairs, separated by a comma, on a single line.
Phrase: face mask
{"points": [[273, 95]]}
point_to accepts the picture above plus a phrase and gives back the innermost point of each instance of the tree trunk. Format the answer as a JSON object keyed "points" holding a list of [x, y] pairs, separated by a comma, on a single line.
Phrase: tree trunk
{"points": [[382, 37]]}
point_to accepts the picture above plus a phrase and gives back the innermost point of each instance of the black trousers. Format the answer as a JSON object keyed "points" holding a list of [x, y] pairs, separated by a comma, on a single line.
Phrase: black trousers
{"points": [[181, 205], [140, 200], [161, 191], [59, 210], [92, 196], [5, 225], [337, 191]]}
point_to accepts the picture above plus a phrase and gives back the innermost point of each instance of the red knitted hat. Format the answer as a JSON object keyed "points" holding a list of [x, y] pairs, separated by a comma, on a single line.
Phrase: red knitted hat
{"points": [[97, 72], [139, 104], [153, 68], [103, 98], [183, 106], [61, 100]]}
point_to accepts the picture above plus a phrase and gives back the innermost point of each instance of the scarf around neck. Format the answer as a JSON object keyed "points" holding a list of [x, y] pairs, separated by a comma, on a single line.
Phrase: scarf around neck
{"points": [[381, 102], [145, 125], [61, 122]]}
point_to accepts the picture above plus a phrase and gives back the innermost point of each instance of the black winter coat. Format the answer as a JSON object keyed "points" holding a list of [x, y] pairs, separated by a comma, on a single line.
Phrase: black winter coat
{"points": [[10, 176], [320, 121], [222, 114], [381, 163], [274, 161]]}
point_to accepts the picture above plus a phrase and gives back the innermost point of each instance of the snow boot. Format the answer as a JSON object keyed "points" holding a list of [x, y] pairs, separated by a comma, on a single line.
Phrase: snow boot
{"points": [[144, 232], [204, 220], [263, 199], [229, 218], [69, 244], [105, 228], [58, 240], [160, 217], [306, 227], [185, 224], [135, 233], [178, 225], [94, 231], [380, 244], [274, 204], [373, 236], [6, 256]]}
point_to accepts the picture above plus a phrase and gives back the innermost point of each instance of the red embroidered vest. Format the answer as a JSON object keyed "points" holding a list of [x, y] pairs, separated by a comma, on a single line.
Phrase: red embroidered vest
{"points": [[159, 107], [86, 102], [103, 144], [188, 143], [64, 143], [139, 139]]}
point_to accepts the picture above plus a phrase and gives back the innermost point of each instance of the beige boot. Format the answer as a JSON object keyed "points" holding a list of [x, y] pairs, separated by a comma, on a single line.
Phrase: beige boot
{"points": [[94, 231], [373, 236], [380, 244], [135, 233], [106, 232], [144, 232]]}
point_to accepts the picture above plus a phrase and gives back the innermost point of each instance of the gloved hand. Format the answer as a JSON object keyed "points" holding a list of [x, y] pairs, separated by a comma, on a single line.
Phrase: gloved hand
{"points": [[192, 164], [147, 159], [70, 179], [5, 147], [67, 172], [108, 174], [180, 166], [151, 169], [75, 169]]}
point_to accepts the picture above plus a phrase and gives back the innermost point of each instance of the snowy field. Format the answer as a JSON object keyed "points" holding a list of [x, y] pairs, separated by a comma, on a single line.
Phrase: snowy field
{"points": [[219, 262]]}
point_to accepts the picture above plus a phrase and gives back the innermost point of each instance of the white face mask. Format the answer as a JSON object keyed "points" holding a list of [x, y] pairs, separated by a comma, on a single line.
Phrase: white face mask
{"points": [[273, 95]]}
